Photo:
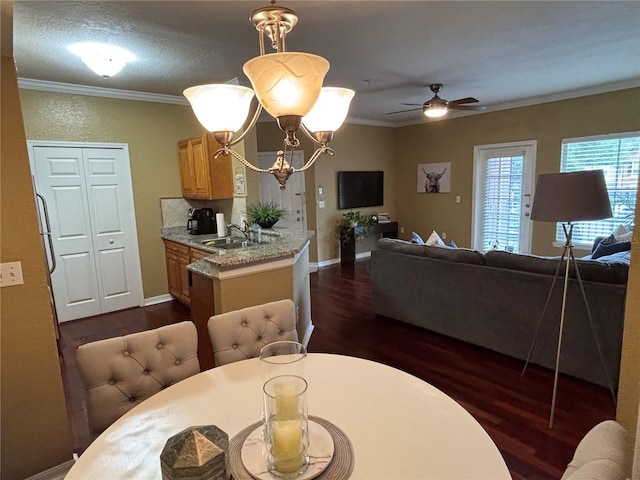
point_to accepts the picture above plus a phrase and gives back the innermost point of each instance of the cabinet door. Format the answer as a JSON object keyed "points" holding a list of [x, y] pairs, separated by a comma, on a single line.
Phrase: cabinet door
{"points": [[220, 171], [187, 169], [173, 275], [178, 257], [201, 168], [185, 294]]}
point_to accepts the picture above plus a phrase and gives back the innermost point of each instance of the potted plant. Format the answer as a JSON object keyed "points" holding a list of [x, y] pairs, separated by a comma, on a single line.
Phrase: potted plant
{"points": [[265, 214], [345, 227]]}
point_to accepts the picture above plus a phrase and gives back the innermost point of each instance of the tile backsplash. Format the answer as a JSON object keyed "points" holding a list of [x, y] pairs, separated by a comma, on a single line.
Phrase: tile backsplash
{"points": [[174, 210]]}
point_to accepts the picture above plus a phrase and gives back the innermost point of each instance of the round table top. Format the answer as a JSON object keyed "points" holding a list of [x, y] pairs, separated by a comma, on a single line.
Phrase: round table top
{"points": [[400, 426]]}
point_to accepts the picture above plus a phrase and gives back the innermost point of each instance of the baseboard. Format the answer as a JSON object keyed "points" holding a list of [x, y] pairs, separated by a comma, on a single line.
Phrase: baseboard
{"points": [[363, 255], [333, 261], [158, 299], [54, 473]]}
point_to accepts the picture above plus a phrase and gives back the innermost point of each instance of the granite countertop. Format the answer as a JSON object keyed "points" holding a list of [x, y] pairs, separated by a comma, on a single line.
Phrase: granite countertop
{"points": [[279, 243]]}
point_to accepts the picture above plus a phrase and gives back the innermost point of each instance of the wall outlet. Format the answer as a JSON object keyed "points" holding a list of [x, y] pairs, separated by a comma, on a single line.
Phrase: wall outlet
{"points": [[457, 198], [11, 274], [401, 229], [444, 235], [321, 204]]}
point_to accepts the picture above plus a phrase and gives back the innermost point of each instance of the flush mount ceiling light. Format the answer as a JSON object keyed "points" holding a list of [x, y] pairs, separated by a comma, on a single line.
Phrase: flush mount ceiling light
{"points": [[104, 59], [288, 85]]}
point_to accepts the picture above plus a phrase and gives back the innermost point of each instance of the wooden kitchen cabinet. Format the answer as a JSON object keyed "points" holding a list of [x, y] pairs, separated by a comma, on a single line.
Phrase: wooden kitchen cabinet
{"points": [[178, 256], [201, 175]]}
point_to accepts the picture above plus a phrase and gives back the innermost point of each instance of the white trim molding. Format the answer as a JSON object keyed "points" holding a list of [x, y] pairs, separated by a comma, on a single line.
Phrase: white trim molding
{"points": [[57, 87]]}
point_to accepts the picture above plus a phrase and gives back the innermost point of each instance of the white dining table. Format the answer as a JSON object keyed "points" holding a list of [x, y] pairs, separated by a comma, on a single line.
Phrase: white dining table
{"points": [[400, 427]]}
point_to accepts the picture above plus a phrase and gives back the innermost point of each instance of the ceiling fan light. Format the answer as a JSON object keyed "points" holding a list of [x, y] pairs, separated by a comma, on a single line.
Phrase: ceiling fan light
{"points": [[287, 83], [220, 107], [330, 110], [435, 111]]}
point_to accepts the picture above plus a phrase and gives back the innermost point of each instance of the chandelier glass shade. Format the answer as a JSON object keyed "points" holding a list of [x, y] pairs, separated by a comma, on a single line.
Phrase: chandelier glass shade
{"points": [[288, 85], [329, 111], [232, 104]]}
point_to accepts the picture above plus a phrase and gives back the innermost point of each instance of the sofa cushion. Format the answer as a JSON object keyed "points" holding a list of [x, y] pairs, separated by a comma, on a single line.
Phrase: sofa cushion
{"points": [[434, 239], [609, 246], [415, 238], [460, 255], [402, 246], [590, 270]]}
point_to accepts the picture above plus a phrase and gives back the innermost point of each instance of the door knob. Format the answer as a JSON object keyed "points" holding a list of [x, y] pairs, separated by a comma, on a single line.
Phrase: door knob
{"points": [[298, 219], [527, 214], [111, 241], [297, 211]]}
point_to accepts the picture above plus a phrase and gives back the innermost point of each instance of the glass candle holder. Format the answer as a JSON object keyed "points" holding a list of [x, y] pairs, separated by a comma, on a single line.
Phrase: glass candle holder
{"points": [[286, 425], [282, 358]]}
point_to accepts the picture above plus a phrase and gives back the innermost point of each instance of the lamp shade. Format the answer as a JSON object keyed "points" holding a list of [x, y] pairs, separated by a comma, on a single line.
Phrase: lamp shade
{"points": [[330, 110], [287, 83], [220, 108], [571, 197]]}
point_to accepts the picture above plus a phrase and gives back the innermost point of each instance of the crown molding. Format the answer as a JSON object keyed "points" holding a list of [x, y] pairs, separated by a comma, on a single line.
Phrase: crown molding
{"points": [[57, 87]]}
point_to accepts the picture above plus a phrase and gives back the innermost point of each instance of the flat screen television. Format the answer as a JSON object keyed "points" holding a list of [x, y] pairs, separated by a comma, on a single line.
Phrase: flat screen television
{"points": [[360, 189]]}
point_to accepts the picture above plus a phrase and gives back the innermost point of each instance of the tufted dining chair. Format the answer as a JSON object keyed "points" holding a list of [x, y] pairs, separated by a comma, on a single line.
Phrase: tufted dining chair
{"points": [[240, 334], [118, 373]]}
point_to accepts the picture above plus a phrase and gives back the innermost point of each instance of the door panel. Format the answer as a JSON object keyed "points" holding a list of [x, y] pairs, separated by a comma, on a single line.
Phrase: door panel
{"points": [[60, 179], [93, 228], [292, 199], [111, 211]]}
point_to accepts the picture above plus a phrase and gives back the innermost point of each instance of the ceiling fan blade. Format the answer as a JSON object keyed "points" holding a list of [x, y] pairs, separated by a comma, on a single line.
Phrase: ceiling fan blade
{"points": [[403, 111], [412, 104], [460, 101], [474, 108]]}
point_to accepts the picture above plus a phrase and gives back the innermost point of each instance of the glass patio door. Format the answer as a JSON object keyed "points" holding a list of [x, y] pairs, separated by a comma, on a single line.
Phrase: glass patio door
{"points": [[503, 186]]}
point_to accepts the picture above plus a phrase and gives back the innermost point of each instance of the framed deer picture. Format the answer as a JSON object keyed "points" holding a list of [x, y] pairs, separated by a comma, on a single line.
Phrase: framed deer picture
{"points": [[434, 177]]}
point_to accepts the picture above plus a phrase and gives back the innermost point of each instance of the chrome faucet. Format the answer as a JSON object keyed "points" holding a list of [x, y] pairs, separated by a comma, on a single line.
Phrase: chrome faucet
{"points": [[244, 229]]}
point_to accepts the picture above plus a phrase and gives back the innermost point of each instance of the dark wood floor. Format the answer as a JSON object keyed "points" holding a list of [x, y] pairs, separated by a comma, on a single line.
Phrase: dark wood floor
{"points": [[513, 410]]}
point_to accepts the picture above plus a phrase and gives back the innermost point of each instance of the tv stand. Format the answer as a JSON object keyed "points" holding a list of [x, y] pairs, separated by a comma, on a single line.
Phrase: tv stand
{"points": [[348, 249]]}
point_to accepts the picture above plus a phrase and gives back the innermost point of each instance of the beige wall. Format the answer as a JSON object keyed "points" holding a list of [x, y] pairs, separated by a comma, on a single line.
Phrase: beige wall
{"points": [[151, 130], [629, 385], [453, 141], [357, 147], [35, 432]]}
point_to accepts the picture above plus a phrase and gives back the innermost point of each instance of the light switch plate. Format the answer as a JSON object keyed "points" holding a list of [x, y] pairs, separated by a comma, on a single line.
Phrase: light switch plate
{"points": [[11, 274]]}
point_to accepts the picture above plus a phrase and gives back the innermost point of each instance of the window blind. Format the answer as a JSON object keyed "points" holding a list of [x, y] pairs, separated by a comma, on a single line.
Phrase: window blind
{"points": [[619, 157], [502, 203]]}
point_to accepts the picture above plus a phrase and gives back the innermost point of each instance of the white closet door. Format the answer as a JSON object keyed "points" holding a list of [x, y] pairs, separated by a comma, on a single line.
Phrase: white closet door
{"points": [[90, 200], [60, 179], [111, 207]]}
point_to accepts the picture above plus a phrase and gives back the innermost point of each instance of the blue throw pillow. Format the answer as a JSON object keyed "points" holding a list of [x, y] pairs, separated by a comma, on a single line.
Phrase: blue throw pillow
{"points": [[609, 247], [415, 238]]}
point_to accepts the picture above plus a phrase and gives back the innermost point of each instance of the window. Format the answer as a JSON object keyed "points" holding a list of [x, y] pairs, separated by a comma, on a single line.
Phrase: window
{"points": [[619, 157]]}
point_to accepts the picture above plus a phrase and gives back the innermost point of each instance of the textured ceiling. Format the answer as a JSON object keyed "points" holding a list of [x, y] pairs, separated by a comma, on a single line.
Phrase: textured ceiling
{"points": [[503, 53]]}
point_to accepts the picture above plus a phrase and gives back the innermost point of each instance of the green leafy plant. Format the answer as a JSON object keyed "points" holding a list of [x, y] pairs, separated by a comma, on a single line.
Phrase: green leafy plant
{"points": [[265, 214], [345, 226]]}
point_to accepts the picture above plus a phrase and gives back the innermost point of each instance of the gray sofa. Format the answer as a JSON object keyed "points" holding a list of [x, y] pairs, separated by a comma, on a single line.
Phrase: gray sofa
{"points": [[495, 300]]}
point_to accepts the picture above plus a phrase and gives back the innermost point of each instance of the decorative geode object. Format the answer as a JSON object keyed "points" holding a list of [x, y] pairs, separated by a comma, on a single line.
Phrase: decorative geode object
{"points": [[196, 453]]}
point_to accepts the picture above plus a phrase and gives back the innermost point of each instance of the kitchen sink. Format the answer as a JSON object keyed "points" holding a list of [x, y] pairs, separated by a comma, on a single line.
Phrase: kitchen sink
{"points": [[229, 243]]}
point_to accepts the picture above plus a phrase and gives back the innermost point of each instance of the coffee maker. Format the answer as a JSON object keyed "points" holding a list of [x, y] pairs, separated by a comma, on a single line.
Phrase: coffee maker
{"points": [[201, 221]]}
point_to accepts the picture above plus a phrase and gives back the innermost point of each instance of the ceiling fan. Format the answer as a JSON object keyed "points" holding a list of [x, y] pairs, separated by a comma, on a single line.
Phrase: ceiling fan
{"points": [[437, 107]]}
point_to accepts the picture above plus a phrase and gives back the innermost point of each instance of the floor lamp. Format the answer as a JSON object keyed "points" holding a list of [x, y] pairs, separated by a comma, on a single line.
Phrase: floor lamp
{"points": [[567, 198]]}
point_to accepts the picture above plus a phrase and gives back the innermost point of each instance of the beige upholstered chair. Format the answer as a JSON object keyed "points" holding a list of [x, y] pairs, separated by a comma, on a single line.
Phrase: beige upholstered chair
{"points": [[241, 334], [118, 373], [601, 454]]}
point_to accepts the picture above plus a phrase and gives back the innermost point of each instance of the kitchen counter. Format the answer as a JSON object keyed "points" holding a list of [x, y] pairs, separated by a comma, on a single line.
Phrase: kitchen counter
{"points": [[233, 279], [279, 243]]}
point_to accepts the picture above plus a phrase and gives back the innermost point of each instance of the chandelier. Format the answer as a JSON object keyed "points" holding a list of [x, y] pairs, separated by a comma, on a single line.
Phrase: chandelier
{"points": [[288, 85]]}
